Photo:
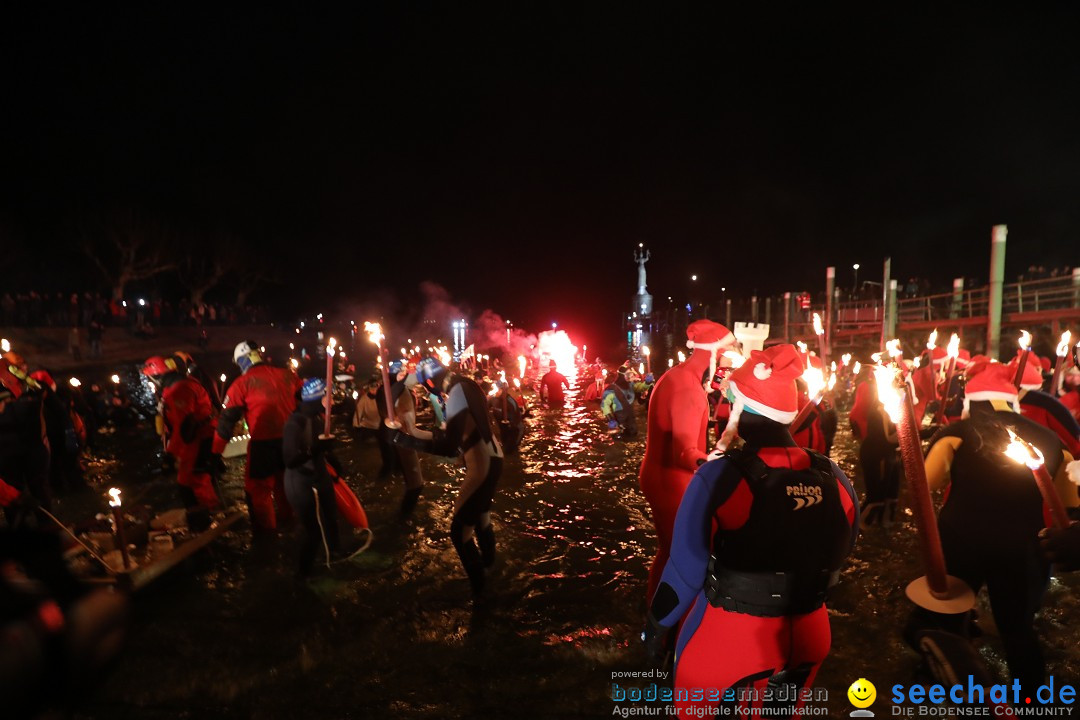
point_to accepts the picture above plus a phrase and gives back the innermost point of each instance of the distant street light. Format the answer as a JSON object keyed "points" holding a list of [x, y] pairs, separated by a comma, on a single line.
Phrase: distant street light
{"points": [[855, 267], [693, 277]]}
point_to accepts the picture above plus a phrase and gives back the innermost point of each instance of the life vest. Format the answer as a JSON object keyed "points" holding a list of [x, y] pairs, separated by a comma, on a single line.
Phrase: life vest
{"points": [[780, 561]]}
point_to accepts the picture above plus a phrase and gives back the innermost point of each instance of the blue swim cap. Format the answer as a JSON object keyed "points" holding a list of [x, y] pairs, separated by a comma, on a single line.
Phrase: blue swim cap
{"points": [[430, 373], [313, 389]]}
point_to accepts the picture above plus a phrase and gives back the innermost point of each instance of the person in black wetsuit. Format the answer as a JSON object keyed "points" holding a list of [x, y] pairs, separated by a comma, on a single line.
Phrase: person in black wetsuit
{"points": [[993, 514], [306, 457], [551, 386], [871, 426], [405, 413], [508, 415], [468, 433]]}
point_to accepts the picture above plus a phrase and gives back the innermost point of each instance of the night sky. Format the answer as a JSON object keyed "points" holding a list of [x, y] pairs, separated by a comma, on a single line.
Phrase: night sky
{"points": [[516, 156]]}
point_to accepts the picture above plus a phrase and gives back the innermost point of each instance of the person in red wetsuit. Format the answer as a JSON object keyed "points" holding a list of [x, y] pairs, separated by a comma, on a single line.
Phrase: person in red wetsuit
{"points": [[1044, 408], [761, 533], [266, 396], [186, 415], [676, 437], [925, 379], [1070, 386]]}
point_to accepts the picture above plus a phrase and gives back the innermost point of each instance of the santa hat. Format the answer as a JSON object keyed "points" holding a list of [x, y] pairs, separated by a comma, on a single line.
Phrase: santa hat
{"points": [[1032, 378], [1045, 363], [939, 355], [963, 359], [709, 336], [765, 385], [993, 382]]}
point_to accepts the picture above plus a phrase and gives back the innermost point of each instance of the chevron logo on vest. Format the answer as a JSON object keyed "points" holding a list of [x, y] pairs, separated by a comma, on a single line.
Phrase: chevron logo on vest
{"points": [[804, 495]]}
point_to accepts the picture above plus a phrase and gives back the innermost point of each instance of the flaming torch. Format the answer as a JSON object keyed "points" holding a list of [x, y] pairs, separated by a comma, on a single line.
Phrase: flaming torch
{"points": [[1025, 345], [118, 522], [375, 335], [953, 352], [328, 401], [682, 356], [936, 591], [820, 332], [1062, 351], [815, 389], [5, 346], [521, 366], [647, 352], [1023, 452]]}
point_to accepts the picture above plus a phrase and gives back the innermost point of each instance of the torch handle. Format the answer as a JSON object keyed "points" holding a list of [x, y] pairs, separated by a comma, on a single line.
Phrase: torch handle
{"points": [[804, 412], [921, 504], [329, 401], [121, 536], [1055, 384], [386, 386], [1020, 368], [1058, 516]]}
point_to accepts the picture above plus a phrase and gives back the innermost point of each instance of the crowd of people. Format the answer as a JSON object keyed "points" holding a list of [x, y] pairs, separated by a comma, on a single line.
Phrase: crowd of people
{"points": [[33, 309], [753, 520], [751, 535]]}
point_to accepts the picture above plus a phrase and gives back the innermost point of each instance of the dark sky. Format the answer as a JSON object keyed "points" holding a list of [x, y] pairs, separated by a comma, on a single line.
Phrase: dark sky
{"points": [[517, 155]]}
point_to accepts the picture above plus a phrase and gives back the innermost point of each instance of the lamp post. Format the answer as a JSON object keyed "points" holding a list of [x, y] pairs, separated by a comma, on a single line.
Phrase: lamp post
{"points": [[855, 267]]}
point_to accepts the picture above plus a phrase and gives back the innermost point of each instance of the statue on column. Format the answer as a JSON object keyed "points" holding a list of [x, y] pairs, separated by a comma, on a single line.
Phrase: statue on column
{"points": [[641, 257]]}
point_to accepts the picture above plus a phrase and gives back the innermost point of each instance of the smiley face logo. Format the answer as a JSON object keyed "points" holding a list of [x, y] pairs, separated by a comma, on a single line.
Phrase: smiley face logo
{"points": [[862, 693]]}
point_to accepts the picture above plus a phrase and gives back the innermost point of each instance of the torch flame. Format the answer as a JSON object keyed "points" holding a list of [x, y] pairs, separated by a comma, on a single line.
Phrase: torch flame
{"points": [[1025, 340], [670, 362], [645, 350], [521, 365], [374, 333], [818, 329], [115, 379], [330, 347], [1023, 452], [893, 348], [801, 345], [5, 346], [1063, 346], [888, 393], [444, 355], [517, 383], [931, 343], [641, 368], [815, 381], [918, 361], [876, 357], [954, 346], [832, 382], [292, 361], [845, 359], [114, 495], [856, 368], [682, 357], [74, 382]]}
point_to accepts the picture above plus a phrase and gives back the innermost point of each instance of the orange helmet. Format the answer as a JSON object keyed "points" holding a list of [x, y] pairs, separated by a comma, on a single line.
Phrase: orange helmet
{"points": [[157, 366]]}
